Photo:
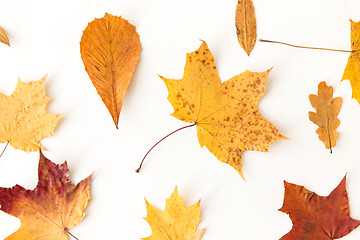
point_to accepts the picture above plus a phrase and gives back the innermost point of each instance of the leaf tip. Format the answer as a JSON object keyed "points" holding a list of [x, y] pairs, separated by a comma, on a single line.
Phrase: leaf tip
{"points": [[3, 37]]}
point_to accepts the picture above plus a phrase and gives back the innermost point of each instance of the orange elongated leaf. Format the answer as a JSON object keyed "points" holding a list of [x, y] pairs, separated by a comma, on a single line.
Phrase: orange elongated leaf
{"points": [[176, 222], [327, 108], [352, 70], [52, 208], [245, 23], [317, 217], [24, 121], [226, 114], [110, 49], [3, 37]]}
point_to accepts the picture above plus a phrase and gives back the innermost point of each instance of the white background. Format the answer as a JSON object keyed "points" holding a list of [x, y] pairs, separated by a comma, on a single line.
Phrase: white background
{"points": [[45, 38]]}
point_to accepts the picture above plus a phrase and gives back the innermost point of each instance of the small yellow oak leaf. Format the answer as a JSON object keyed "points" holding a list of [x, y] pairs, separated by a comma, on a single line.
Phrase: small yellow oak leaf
{"points": [[327, 108], [352, 70], [176, 222], [226, 114], [24, 121], [52, 208]]}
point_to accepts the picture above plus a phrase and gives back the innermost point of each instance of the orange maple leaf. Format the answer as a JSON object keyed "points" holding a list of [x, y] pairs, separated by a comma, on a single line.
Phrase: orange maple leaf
{"points": [[52, 208]]}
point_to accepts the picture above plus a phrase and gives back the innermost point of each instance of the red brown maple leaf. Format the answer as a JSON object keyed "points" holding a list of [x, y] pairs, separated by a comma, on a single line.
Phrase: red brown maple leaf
{"points": [[316, 217]]}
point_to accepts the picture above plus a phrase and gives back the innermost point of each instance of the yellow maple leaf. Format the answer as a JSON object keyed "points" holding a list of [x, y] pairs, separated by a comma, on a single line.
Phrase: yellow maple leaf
{"points": [[352, 70], [24, 121], [176, 222], [327, 108], [226, 115], [52, 208]]}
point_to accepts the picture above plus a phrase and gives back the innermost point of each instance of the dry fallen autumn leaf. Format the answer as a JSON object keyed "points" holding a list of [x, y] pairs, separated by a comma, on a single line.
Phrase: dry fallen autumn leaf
{"points": [[317, 217], [24, 121], [176, 222], [52, 208], [245, 23], [352, 70], [327, 108], [3, 37], [110, 49], [226, 115]]}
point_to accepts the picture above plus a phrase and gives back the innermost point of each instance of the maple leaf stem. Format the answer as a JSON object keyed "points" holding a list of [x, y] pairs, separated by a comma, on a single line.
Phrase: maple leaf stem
{"points": [[71, 234], [4, 149], [191, 125], [291, 45]]}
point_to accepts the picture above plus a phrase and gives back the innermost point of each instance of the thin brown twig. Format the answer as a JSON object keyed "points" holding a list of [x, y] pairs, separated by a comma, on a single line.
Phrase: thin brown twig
{"points": [[4, 149], [191, 125], [71, 234], [291, 45]]}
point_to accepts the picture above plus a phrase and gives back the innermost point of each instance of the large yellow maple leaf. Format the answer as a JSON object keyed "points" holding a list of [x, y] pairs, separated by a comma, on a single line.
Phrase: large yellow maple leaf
{"points": [[352, 70], [24, 121], [226, 114], [176, 222], [52, 208]]}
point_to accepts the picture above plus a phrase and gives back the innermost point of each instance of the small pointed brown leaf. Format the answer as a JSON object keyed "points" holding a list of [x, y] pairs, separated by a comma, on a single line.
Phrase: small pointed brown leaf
{"points": [[327, 108], [110, 49], [245, 23], [3, 37]]}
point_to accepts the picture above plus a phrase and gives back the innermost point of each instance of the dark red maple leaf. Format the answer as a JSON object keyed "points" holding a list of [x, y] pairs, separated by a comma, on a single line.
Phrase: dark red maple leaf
{"points": [[316, 217]]}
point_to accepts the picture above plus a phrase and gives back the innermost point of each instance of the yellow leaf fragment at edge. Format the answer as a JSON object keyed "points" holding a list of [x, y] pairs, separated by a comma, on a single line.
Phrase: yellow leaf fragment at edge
{"points": [[245, 23], [226, 114], [3, 37], [352, 70], [176, 222], [24, 121], [327, 109]]}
